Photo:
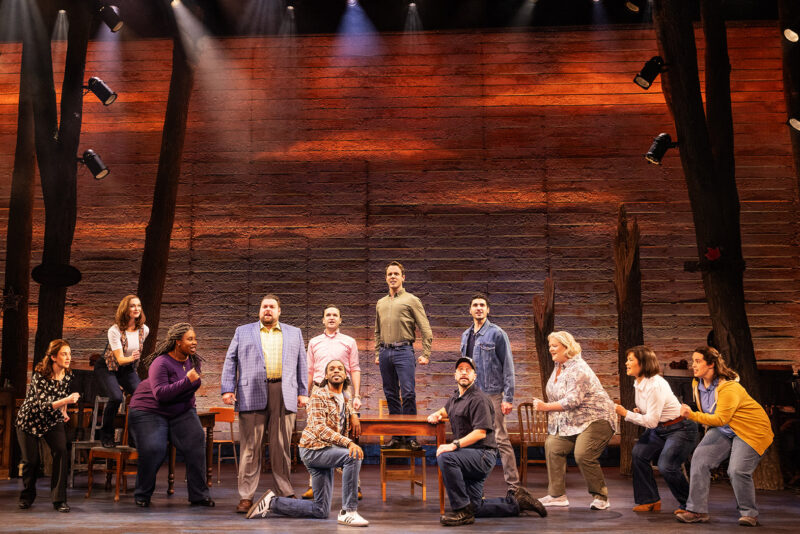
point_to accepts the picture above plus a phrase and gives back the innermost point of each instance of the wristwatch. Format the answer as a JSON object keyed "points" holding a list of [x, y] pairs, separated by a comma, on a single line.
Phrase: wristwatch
{"points": [[457, 443]]}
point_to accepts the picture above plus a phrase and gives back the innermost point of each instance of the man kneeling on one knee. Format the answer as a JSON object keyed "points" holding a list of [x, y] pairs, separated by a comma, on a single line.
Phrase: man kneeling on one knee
{"points": [[466, 462], [324, 446]]}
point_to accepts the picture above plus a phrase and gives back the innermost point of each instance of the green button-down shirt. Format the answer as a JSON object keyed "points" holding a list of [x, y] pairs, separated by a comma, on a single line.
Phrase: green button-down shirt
{"points": [[397, 318]]}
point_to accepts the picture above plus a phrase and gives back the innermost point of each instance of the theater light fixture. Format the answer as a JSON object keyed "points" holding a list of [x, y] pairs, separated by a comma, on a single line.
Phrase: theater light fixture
{"points": [[94, 164], [110, 16], [661, 143], [791, 35], [101, 90], [650, 71], [635, 6], [794, 122]]}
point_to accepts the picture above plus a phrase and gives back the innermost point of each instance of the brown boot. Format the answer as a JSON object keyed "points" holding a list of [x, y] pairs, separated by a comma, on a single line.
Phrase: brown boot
{"points": [[243, 506]]}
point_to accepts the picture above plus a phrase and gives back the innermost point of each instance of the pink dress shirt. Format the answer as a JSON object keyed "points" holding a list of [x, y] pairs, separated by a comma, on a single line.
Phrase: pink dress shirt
{"points": [[324, 348]]}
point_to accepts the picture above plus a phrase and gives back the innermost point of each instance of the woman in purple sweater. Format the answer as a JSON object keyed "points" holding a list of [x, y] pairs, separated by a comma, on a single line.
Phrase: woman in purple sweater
{"points": [[163, 408]]}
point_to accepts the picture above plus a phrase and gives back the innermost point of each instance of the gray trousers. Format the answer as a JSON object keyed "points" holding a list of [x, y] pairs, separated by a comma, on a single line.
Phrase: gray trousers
{"points": [[279, 425], [507, 457]]}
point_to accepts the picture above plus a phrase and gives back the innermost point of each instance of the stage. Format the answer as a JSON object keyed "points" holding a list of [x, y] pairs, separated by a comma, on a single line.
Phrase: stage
{"points": [[780, 511]]}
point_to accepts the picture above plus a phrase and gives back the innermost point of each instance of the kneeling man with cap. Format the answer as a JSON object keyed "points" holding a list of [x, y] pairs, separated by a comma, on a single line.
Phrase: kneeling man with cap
{"points": [[466, 462]]}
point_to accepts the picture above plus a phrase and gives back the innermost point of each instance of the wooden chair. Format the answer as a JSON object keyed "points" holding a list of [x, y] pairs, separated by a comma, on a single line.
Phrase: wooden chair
{"points": [[224, 414], [404, 472], [532, 433], [86, 432], [121, 455]]}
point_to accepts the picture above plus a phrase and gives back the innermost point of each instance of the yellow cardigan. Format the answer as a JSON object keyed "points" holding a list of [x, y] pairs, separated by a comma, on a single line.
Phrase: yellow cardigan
{"points": [[740, 411]]}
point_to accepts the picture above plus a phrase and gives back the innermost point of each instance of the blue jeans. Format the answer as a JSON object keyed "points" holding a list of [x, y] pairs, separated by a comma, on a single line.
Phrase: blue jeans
{"points": [[671, 447], [321, 463], [126, 377], [151, 431], [743, 460], [463, 473], [397, 373]]}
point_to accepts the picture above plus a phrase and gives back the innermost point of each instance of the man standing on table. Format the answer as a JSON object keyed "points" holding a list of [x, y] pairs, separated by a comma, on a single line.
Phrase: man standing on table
{"points": [[324, 446], [466, 462], [397, 316], [265, 376], [326, 347], [488, 346]]}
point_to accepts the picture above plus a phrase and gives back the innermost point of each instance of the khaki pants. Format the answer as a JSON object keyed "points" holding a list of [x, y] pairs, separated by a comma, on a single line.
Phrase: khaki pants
{"points": [[587, 447], [507, 457]]}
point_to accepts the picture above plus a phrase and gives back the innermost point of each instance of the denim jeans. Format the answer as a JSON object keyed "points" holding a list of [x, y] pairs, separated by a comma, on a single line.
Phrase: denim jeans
{"points": [[671, 447], [126, 377], [463, 473], [399, 381], [713, 449], [151, 431], [321, 464]]}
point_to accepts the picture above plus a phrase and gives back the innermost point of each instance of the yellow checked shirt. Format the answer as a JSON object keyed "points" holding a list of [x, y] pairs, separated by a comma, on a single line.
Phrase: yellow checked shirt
{"points": [[272, 346]]}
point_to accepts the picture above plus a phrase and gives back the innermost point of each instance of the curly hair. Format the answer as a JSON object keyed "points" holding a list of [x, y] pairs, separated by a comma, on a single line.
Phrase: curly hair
{"points": [[566, 339]]}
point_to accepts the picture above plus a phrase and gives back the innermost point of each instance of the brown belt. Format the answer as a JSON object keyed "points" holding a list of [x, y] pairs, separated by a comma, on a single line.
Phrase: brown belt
{"points": [[669, 423]]}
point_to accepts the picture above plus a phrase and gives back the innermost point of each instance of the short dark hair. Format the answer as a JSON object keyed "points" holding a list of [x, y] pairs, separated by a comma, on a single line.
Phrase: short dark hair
{"points": [[331, 306], [272, 296], [648, 363], [480, 296], [396, 264]]}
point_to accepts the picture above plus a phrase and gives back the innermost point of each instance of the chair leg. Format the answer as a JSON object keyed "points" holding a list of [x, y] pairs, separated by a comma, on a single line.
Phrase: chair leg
{"points": [[119, 480], [383, 477], [219, 460], [523, 464], [424, 482], [90, 475]]}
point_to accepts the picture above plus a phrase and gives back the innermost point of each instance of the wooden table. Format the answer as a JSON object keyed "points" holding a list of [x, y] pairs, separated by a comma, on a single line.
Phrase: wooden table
{"points": [[207, 420], [406, 425]]}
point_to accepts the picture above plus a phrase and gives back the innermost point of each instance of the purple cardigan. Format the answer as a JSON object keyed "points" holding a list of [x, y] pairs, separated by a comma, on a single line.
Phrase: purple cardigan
{"points": [[166, 391]]}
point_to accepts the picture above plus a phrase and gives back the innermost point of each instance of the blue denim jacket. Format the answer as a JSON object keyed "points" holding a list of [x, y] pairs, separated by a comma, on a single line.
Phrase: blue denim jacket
{"points": [[493, 359]]}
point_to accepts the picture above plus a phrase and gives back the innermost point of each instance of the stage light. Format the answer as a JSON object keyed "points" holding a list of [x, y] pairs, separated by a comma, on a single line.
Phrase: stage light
{"points": [[649, 72], [635, 6], [661, 143], [791, 35], [794, 122], [110, 16], [94, 164], [101, 91]]}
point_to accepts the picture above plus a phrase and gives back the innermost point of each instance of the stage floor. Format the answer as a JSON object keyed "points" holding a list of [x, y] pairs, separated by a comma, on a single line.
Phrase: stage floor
{"points": [[780, 511]]}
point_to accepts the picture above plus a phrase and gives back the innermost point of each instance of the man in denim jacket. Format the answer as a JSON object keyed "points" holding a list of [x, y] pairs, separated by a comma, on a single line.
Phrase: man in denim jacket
{"points": [[487, 344]]}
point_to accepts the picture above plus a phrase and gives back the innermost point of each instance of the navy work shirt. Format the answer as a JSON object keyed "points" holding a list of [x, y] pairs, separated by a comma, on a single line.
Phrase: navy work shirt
{"points": [[472, 410]]}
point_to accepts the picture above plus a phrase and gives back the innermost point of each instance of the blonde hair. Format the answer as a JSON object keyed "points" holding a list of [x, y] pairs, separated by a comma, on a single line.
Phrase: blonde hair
{"points": [[566, 339]]}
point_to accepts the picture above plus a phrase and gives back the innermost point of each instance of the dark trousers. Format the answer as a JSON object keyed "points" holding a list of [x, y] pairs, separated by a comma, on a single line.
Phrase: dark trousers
{"points": [[397, 373], [670, 446], [463, 473], [56, 439], [126, 377], [151, 432]]}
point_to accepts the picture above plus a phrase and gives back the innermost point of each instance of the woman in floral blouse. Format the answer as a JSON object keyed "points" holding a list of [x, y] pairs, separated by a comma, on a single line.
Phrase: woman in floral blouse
{"points": [[582, 420], [42, 416]]}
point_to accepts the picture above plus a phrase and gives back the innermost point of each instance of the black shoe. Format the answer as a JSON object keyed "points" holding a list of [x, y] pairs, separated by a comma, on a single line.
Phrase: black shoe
{"points": [[24, 505], [394, 443], [528, 502], [456, 518], [62, 507], [108, 443], [142, 503], [413, 445], [204, 502]]}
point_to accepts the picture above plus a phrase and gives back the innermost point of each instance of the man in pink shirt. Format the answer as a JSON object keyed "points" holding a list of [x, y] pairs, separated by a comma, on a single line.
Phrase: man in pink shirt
{"points": [[333, 345]]}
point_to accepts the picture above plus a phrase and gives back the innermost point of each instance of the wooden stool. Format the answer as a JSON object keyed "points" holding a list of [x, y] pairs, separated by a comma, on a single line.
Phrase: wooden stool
{"points": [[403, 472]]}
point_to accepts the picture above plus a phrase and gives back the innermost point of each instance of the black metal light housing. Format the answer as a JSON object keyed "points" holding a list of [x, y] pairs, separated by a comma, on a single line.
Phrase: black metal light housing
{"points": [[102, 91], [661, 143], [94, 164], [650, 71], [110, 16]]}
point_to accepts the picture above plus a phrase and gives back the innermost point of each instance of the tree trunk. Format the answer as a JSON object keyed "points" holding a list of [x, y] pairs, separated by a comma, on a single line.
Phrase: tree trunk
{"points": [[16, 291], [789, 14], [153, 272], [544, 319], [56, 151], [706, 151], [630, 332]]}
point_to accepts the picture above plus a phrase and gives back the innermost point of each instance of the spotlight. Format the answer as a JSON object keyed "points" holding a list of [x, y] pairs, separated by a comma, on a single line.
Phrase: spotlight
{"points": [[110, 16], [794, 122], [94, 164], [661, 143], [101, 91], [649, 72], [635, 6], [791, 35]]}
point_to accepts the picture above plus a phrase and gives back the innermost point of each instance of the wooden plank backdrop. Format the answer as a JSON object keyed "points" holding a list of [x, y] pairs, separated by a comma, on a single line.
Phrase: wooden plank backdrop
{"points": [[480, 160]]}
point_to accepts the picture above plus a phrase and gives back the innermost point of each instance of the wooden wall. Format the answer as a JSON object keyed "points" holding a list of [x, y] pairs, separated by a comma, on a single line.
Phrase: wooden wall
{"points": [[479, 160]]}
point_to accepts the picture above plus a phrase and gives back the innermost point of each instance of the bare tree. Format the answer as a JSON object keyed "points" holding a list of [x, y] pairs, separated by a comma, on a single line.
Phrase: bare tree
{"points": [[544, 319]]}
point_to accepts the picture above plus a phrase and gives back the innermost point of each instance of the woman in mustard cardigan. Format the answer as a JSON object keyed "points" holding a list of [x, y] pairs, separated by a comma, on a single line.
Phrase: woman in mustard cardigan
{"points": [[738, 430]]}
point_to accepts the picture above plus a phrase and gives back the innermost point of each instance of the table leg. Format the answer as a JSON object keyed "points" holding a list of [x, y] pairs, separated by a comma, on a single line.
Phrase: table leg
{"points": [[171, 479], [440, 441], [210, 455]]}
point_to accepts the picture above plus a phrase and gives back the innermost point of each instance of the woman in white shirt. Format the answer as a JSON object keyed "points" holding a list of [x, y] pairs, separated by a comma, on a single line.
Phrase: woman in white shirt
{"points": [[669, 438], [117, 367]]}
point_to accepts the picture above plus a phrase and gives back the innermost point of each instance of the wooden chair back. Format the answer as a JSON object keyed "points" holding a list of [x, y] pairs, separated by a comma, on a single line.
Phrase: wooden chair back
{"points": [[532, 433]]}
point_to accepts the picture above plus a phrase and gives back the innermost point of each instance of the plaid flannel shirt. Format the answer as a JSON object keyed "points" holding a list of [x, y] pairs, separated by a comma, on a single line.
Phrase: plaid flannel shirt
{"points": [[322, 424]]}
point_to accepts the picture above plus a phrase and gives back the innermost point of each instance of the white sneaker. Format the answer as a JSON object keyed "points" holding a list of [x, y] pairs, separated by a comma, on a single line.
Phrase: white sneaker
{"points": [[599, 504], [549, 500], [260, 508], [352, 519]]}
